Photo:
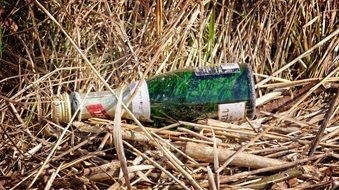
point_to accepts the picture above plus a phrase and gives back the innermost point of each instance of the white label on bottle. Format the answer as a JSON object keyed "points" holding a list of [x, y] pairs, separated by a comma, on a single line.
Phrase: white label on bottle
{"points": [[217, 70], [230, 66], [141, 106], [231, 111]]}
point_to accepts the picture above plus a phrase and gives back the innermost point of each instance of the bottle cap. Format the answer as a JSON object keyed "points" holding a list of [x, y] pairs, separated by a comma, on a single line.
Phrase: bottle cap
{"points": [[61, 108]]}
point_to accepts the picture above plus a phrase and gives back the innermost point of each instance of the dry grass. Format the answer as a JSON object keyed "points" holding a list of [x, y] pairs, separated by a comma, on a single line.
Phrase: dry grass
{"points": [[64, 46]]}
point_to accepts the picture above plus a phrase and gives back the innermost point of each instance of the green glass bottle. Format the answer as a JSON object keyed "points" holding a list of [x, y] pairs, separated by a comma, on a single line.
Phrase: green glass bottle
{"points": [[225, 92]]}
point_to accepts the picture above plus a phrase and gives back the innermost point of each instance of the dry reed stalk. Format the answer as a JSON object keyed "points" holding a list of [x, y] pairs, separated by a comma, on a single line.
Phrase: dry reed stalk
{"points": [[114, 165], [131, 127], [294, 83], [328, 115], [276, 178], [247, 134], [273, 150], [242, 159], [117, 139], [52, 178]]}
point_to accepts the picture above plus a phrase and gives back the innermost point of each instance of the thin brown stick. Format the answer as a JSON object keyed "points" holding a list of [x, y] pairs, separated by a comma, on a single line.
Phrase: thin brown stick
{"points": [[10, 100], [323, 126], [276, 178]]}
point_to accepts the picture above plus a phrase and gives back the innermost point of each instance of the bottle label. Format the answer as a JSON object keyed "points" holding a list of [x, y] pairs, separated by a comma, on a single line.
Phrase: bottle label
{"points": [[217, 70], [141, 106], [97, 110], [231, 111]]}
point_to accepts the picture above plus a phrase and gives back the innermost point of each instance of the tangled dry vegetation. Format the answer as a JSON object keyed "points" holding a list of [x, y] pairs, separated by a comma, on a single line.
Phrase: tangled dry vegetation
{"points": [[81, 45]]}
